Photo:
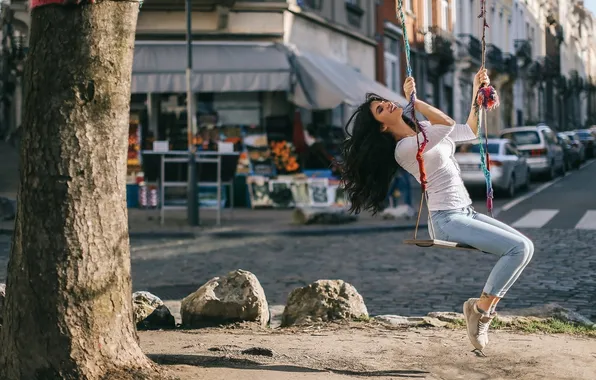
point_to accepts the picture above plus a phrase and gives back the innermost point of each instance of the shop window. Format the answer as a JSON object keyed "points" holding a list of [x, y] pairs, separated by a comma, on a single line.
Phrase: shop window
{"points": [[409, 6], [310, 4], [445, 14], [337, 116], [354, 13], [392, 66]]}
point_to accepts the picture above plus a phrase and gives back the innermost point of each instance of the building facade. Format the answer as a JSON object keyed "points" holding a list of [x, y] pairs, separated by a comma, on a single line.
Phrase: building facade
{"points": [[500, 60], [429, 25]]}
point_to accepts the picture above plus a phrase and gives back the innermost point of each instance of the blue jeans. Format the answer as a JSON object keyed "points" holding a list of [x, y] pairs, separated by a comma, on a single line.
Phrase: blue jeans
{"points": [[482, 232]]}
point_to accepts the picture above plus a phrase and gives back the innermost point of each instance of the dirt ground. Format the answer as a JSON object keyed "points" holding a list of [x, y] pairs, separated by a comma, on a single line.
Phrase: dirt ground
{"points": [[365, 350]]}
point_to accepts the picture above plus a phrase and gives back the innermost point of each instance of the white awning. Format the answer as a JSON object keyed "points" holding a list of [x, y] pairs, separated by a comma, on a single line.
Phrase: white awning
{"points": [[160, 67], [324, 83]]}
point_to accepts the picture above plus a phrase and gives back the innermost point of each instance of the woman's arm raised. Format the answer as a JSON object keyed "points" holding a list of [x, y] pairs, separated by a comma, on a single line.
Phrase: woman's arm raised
{"points": [[432, 114]]}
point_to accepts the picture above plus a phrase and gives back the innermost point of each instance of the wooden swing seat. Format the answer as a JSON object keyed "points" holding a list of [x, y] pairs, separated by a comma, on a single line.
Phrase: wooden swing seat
{"points": [[439, 244]]}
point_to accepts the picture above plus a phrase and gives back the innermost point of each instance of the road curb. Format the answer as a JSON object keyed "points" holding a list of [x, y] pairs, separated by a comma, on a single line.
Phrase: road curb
{"points": [[237, 234], [314, 232]]}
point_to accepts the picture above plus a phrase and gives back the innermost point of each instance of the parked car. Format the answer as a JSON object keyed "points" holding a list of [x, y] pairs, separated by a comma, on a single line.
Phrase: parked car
{"points": [[571, 152], [575, 141], [539, 145], [587, 138], [508, 167]]}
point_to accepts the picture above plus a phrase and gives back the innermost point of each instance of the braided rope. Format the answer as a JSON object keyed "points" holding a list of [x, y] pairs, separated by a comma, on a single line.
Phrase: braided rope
{"points": [[412, 115], [485, 99], [485, 161]]}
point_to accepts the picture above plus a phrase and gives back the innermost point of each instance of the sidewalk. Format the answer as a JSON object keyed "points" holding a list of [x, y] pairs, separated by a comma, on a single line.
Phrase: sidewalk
{"points": [[248, 222]]}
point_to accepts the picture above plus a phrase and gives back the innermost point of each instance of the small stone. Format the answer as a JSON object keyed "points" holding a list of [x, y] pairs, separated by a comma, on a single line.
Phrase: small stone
{"points": [[237, 297], [150, 312], [258, 351], [393, 320], [432, 322], [323, 300], [450, 317]]}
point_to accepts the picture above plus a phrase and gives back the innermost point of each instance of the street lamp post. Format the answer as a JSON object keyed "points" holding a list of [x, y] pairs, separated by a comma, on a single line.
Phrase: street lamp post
{"points": [[192, 201]]}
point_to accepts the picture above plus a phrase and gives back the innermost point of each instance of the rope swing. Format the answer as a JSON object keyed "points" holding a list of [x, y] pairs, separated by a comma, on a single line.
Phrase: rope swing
{"points": [[486, 99]]}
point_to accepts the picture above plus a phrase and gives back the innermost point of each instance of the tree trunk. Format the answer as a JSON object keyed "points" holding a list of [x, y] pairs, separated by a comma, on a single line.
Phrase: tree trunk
{"points": [[68, 310]]}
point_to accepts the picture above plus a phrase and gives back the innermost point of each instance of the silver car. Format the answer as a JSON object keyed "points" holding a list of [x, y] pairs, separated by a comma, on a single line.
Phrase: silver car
{"points": [[539, 144], [508, 167]]}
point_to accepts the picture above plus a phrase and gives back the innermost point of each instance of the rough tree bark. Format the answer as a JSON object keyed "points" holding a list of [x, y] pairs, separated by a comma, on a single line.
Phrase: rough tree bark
{"points": [[68, 311]]}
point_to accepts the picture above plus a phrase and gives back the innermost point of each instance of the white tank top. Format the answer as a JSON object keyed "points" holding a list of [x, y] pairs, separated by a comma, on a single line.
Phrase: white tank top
{"points": [[445, 187]]}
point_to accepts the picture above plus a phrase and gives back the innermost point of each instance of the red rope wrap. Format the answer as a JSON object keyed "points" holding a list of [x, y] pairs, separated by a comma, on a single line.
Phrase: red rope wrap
{"points": [[421, 146]]}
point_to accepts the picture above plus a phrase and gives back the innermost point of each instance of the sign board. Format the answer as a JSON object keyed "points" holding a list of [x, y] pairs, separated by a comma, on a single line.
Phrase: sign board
{"points": [[225, 147], [161, 146]]}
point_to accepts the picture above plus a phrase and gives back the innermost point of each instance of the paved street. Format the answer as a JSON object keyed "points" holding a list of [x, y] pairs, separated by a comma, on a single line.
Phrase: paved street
{"points": [[392, 277], [569, 203]]}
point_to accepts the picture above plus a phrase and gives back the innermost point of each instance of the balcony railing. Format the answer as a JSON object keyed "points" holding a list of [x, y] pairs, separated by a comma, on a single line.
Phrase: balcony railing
{"points": [[471, 45], [439, 44], [510, 64], [494, 58], [561, 84], [535, 72], [576, 82], [523, 51]]}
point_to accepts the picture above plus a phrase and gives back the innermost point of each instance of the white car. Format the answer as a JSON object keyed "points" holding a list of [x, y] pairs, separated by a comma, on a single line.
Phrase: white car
{"points": [[508, 167], [540, 146]]}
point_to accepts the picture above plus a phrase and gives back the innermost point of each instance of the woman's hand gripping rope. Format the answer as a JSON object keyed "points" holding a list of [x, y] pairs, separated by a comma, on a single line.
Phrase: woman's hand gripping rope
{"points": [[487, 96]]}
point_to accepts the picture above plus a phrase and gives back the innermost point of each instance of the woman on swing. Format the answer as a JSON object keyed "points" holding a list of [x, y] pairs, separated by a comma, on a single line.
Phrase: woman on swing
{"points": [[383, 141]]}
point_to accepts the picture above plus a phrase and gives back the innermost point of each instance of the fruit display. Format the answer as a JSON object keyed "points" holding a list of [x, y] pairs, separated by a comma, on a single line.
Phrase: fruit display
{"points": [[284, 157], [134, 146]]}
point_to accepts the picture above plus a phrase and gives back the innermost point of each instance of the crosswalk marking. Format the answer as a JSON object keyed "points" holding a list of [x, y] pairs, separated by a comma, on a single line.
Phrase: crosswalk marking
{"points": [[588, 221], [535, 218]]}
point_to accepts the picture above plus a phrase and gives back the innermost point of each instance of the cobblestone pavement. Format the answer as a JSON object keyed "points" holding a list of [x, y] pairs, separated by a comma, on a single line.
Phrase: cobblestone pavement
{"points": [[392, 278]]}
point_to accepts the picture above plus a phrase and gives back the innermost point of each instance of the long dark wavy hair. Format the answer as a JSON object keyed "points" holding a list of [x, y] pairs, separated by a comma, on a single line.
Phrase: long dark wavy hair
{"points": [[368, 164]]}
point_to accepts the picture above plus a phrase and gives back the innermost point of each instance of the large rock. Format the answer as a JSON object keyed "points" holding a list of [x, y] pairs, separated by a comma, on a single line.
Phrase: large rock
{"points": [[2, 296], [323, 300], [238, 297], [150, 312]]}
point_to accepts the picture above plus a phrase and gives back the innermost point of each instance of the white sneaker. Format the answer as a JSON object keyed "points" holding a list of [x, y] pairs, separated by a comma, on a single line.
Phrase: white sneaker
{"points": [[477, 324]]}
